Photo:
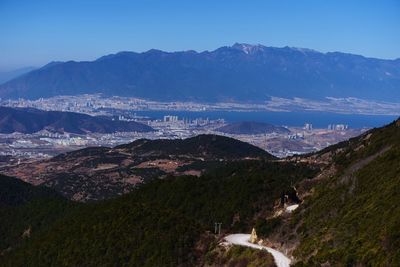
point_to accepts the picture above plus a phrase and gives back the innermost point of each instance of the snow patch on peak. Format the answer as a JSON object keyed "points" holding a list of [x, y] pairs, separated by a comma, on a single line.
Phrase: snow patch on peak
{"points": [[248, 48]]}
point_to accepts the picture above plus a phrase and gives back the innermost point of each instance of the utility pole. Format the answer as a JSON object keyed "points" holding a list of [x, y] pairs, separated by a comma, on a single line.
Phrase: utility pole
{"points": [[217, 228]]}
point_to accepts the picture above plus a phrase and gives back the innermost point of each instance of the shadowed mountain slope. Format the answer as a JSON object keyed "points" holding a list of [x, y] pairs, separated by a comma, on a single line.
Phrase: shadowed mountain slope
{"points": [[240, 72], [28, 120]]}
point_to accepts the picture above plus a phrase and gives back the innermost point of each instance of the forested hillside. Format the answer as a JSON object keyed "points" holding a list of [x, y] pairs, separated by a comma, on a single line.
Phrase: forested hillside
{"points": [[348, 214], [352, 217], [159, 224]]}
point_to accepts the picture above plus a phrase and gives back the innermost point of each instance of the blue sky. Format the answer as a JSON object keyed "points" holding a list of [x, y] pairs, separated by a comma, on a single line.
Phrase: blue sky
{"points": [[38, 31]]}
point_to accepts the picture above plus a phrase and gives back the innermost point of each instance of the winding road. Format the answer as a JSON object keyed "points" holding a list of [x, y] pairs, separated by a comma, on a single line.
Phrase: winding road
{"points": [[243, 240]]}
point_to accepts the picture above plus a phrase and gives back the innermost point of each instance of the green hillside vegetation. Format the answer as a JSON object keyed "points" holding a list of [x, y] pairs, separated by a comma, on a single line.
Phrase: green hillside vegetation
{"points": [[15, 192], [160, 223], [353, 219], [25, 208], [361, 147], [238, 190], [112, 234], [204, 145]]}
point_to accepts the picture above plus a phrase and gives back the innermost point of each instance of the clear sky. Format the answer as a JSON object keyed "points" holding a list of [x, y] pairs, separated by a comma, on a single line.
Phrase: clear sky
{"points": [[36, 32]]}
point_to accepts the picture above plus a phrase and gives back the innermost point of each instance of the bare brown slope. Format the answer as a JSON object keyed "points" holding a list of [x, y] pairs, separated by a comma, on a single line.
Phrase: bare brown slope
{"points": [[101, 172]]}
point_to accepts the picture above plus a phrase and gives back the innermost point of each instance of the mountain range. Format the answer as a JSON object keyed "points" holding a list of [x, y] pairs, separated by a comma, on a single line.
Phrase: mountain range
{"points": [[242, 72], [29, 120]]}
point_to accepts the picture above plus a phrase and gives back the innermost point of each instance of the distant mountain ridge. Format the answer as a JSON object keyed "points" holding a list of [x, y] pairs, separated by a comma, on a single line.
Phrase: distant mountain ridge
{"points": [[251, 127], [29, 120], [241, 72]]}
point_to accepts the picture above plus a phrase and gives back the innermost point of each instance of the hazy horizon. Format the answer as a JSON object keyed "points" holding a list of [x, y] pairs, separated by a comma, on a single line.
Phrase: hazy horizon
{"points": [[45, 31]]}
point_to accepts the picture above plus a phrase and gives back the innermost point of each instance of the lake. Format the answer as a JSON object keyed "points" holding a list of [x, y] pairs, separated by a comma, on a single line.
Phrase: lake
{"points": [[318, 119]]}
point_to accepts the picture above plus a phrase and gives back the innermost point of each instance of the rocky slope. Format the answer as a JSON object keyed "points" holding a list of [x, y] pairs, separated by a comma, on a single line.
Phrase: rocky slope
{"points": [[101, 172]]}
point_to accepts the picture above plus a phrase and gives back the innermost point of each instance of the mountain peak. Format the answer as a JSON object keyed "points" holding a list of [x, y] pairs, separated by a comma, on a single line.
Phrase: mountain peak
{"points": [[248, 48], [154, 51]]}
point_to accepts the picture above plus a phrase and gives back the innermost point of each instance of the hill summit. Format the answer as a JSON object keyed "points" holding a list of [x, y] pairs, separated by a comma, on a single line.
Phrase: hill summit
{"points": [[100, 172]]}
